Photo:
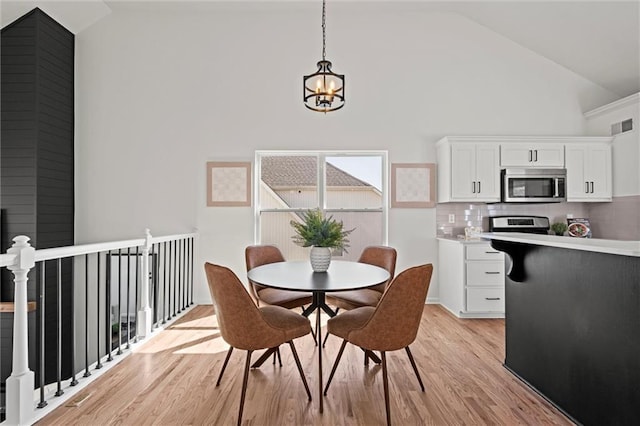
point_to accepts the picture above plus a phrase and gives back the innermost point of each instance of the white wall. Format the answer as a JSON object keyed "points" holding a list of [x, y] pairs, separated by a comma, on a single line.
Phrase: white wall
{"points": [[625, 146], [159, 92]]}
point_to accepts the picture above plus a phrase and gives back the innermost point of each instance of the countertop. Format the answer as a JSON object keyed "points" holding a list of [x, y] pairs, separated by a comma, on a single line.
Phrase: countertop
{"points": [[619, 247], [462, 240]]}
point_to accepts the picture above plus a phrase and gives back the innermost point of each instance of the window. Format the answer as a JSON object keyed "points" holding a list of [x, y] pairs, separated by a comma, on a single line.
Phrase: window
{"points": [[351, 186]]}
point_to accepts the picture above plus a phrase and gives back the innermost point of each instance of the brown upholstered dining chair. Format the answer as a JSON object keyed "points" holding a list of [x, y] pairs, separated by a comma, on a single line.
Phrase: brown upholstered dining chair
{"points": [[262, 254], [258, 255], [382, 256], [390, 326], [245, 326]]}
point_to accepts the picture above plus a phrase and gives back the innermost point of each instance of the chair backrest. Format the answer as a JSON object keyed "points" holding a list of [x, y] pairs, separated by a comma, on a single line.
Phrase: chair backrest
{"points": [[240, 321], [382, 256], [258, 255], [394, 323]]}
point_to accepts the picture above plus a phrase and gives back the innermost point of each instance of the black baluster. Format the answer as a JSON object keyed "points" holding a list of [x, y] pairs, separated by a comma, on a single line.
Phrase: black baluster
{"points": [[135, 315], [192, 253], [108, 308], [42, 402], [87, 373], [180, 267], [175, 276], [128, 295], [119, 320], [154, 282], [73, 327], [59, 330], [164, 283], [99, 364], [184, 274]]}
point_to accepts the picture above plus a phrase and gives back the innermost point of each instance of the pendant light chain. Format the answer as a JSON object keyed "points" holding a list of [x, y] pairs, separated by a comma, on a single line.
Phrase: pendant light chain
{"points": [[324, 30]]}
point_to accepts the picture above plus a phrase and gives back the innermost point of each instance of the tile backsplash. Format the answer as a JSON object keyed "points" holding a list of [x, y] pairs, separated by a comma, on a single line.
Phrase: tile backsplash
{"points": [[618, 220], [468, 214]]}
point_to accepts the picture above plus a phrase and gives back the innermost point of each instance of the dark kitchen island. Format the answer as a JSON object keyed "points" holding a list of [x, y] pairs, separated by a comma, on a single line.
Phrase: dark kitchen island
{"points": [[572, 319]]}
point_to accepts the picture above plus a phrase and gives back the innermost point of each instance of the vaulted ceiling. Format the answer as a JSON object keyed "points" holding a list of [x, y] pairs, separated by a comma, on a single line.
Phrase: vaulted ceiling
{"points": [[599, 40]]}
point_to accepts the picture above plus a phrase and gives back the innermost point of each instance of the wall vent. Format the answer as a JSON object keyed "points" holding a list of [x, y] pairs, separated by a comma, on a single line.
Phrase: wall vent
{"points": [[622, 126]]}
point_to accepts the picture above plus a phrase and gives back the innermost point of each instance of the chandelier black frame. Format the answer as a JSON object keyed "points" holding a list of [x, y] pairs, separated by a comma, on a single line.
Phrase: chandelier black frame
{"points": [[328, 92]]}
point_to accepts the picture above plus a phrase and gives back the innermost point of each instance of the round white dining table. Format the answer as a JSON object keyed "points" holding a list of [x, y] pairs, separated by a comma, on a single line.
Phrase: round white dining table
{"points": [[298, 276]]}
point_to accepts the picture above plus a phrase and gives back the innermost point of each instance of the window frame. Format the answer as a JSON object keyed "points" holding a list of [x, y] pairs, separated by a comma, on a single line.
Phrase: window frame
{"points": [[321, 201]]}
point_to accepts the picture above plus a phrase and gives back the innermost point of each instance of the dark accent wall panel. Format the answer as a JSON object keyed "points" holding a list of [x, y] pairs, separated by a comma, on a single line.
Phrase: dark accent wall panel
{"points": [[37, 166]]}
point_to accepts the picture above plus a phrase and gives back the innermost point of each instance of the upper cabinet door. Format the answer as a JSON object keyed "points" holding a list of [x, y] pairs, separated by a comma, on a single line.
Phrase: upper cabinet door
{"points": [[589, 173], [531, 155], [577, 185], [463, 172], [475, 173], [599, 173], [488, 172]]}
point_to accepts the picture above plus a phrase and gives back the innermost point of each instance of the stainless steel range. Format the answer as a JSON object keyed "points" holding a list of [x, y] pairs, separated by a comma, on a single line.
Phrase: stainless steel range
{"points": [[514, 223]]}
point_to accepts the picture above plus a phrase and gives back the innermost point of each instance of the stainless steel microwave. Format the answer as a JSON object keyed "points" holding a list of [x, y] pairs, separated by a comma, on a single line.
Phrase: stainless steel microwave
{"points": [[534, 185]]}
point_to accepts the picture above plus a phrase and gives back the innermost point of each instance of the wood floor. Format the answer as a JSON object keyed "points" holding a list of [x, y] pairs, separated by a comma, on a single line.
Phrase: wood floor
{"points": [[171, 381]]}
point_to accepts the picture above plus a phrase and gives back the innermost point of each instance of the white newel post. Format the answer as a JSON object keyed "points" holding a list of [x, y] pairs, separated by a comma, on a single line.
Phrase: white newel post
{"points": [[20, 401], [144, 313]]}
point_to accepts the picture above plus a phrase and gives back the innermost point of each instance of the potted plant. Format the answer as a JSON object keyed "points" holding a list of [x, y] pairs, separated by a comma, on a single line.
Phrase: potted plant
{"points": [[321, 234], [559, 228]]}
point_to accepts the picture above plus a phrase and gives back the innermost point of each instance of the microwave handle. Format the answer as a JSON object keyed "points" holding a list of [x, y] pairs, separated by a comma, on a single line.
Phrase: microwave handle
{"points": [[557, 189]]}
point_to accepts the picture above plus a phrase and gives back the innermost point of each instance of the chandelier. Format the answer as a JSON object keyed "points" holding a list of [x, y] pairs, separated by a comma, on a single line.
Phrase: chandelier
{"points": [[323, 91]]}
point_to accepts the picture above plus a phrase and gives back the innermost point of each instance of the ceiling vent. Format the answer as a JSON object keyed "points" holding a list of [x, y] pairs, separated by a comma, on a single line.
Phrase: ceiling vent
{"points": [[622, 126]]}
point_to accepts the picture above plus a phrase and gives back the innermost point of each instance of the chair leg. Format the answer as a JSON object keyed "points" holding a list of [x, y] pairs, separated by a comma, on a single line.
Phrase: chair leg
{"points": [[295, 357], [224, 365], [385, 383], [335, 365], [279, 359], [245, 379], [324, 342], [313, 334], [415, 368]]}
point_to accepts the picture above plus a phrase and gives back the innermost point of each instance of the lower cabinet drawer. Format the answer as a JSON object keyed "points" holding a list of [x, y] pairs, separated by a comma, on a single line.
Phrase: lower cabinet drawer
{"points": [[485, 273], [485, 299]]}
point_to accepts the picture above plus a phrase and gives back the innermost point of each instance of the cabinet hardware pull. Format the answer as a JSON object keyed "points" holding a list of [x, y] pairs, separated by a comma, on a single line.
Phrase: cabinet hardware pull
{"points": [[492, 252], [536, 153], [592, 187], [492, 298], [587, 190], [479, 187], [530, 156], [491, 272], [473, 187]]}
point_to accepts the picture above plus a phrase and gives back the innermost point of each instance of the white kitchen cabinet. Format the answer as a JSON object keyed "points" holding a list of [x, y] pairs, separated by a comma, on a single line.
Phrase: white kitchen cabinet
{"points": [[549, 155], [589, 172], [468, 171], [471, 277]]}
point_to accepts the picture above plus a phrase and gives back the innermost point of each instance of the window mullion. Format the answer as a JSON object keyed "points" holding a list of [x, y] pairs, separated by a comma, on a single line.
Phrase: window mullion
{"points": [[322, 182]]}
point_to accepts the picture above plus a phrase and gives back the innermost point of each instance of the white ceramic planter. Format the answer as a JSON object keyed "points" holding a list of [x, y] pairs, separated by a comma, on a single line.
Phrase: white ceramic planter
{"points": [[320, 258]]}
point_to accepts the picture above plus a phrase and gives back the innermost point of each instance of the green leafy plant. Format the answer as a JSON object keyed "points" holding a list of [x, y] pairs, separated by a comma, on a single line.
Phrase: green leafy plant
{"points": [[320, 231], [559, 228]]}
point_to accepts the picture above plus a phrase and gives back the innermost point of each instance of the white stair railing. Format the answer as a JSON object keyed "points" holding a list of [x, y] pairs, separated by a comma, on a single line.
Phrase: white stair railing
{"points": [[20, 383], [175, 253]]}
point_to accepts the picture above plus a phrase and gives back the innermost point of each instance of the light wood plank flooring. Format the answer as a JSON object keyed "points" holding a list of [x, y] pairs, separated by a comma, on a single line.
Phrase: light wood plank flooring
{"points": [[171, 381]]}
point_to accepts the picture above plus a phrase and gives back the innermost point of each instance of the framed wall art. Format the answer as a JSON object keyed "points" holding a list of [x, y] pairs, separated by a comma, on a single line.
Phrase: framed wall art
{"points": [[413, 185], [228, 184]]}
